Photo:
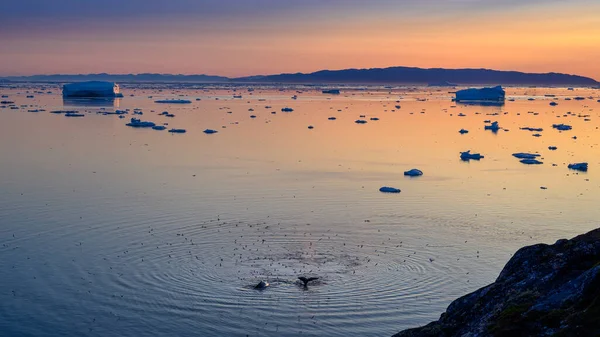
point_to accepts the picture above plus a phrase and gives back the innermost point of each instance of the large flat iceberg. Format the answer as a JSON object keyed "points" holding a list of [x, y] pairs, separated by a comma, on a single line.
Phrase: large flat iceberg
{"points": [[92, 89], [495, 94]]}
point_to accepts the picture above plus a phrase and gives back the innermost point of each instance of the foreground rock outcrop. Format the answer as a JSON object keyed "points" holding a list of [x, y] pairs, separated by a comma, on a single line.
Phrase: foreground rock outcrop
{"points": [[544, 290]]}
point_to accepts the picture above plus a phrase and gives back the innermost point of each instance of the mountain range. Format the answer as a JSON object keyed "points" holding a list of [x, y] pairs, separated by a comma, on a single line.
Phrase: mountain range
{"points": [[392, 75]]}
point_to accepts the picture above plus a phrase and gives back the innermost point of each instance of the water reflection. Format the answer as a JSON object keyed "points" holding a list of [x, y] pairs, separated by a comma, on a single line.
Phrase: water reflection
{"points": [[94, 102]]}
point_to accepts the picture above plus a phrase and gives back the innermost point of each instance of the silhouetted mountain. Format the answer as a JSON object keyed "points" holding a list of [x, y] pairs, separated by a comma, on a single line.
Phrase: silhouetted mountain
{"points": [[121, 78], [394, 75], [405, 75]]}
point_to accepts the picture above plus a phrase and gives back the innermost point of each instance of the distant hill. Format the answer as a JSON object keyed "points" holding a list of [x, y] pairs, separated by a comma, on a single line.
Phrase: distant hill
{"points": [[120, 78], [406, 75], [393, 75]]}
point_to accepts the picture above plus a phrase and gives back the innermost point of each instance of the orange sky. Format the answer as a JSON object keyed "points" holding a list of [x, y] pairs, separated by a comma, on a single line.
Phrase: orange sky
{"points": [[542, 37]]}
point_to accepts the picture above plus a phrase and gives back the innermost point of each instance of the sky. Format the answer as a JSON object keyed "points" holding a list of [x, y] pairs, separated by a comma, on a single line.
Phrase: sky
{"points": [[252, 37]]}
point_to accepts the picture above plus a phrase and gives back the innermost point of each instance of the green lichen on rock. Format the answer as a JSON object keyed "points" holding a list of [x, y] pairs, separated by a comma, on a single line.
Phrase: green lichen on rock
{"points": [[544, 290]]}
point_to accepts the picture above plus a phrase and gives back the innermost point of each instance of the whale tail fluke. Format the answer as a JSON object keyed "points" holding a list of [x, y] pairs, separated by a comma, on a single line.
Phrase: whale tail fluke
{"points": [[305, 280]]}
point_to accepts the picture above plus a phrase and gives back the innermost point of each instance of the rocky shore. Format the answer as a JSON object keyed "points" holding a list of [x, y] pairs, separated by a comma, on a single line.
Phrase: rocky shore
{"points": [[544, 290]]}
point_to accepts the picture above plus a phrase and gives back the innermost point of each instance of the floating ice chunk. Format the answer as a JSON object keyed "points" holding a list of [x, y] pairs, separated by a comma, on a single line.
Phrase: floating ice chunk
{"points": [[173, 101], [360, 121], [413, 173], [210, 131], [523, 155], [159, 127], [286, 109], [92, 89], [137, 123], [332, 118], [532, 129], [536, 135], [579, 167], [311, 127], [531, 161], [374, 118], [74, 114], [332, 91], [562, 127], [177, 131], [493, 127], [467, 155], [463, 131], [553, 103], [495, 94], [461, 115], [386, 189], [552, 148]]}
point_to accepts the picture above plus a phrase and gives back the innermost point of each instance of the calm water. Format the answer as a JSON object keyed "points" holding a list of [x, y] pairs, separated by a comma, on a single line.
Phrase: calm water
{"points": [[107, 230]]}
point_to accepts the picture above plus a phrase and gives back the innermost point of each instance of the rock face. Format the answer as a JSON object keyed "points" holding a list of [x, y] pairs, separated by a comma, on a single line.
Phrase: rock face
{"points": [[544, 290]]}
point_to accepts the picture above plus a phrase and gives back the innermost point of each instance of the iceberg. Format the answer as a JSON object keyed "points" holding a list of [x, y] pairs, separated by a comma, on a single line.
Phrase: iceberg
{"points": [[137, 123], [467, 155], [73, 114], [177, 131], [91, 89], [210, 131], [286, 109], [413, 173], [531, 161], [579, 167], [495, 94], [386, 189], [173, 101], [332, 91], [493, 127], [463, 131], [159, 127], [360, 121], [522, 155], [562, 127]]}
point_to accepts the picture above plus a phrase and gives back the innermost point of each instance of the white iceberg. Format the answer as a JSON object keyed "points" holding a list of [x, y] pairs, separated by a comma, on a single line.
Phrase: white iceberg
{"points": [[531, 161], [493, 127], [495, 94], [463, 131], [177, 131], [92, 89], [210, 131], [562, 127]]}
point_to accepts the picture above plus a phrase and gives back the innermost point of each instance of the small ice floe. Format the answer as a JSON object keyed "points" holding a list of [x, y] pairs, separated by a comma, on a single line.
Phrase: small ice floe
{"points": [[311, 127], [543, 187], [173, 101], [360, 121], [532, 129], [579, 167], [137, 123], [386, 189], [536, 135], [553, 103], [74, 114], [413, 173], [210, 131], [332, 118], [374, 118], [398, 107], [552, 148], [252, 116], [467, 155], [562, 127], [159, 127], [177, 131], [463, 131], [492, 127], [523, 155], [531, 161], [332, 91], [461, 115], [286, 109]]}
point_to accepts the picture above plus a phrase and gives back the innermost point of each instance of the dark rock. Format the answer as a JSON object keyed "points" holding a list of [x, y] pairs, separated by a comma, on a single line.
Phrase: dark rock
{"points": [[544, 290]]}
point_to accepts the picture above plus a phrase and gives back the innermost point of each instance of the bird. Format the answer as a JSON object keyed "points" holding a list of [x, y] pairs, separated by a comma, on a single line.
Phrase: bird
{"points": [[306, 280]]}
